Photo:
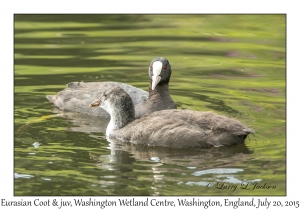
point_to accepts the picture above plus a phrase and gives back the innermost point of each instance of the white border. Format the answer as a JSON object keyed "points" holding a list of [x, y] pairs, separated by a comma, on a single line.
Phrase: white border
{"points": [[8, 8]]}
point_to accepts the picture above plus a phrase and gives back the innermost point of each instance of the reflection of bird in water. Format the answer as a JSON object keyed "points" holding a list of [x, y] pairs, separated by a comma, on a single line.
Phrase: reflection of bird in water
{"points": [[22, 128], [84, 123], [155, 162]]}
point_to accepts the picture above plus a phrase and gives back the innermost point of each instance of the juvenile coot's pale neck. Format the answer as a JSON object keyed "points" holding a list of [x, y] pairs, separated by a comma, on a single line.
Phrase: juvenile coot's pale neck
{"points": [[119, 105]]}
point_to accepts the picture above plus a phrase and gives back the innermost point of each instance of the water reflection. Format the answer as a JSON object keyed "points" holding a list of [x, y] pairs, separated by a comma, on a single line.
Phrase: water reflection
{"points": [[185, 163], [26, 176], [215, 104], [84, 123], [84, 18]]}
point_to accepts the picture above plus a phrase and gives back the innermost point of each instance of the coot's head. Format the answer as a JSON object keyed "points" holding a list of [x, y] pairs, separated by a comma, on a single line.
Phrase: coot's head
{"points": [[159, 71], [115, 100]]}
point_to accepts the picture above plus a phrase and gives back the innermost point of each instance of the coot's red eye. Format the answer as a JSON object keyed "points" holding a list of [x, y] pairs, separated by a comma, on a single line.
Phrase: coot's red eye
{"points": [[165, 67], [150, 66]]}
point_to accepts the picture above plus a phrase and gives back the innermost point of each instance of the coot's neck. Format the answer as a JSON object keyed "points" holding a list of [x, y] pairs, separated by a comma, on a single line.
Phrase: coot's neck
{"points": [[160, 91], [120, 116]]}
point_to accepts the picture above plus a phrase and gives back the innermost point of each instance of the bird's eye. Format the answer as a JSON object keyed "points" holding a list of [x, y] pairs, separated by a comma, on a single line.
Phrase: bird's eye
{"points": [[165, 67], [150, 66]]}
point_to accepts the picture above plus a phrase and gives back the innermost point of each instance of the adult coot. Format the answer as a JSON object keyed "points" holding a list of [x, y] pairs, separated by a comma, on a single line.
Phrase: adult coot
{"points": [[78, 95]]}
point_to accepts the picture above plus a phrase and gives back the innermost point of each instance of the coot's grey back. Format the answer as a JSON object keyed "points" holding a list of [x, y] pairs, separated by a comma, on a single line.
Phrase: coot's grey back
{"points": [[183, 129], [77, 96]]}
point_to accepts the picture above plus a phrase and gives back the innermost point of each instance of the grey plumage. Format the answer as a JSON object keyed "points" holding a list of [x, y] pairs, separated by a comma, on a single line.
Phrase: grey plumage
{"points": [[169, 128], [77, 96]]}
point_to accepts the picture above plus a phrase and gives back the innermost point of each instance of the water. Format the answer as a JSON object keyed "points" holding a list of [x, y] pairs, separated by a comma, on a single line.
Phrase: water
{"points": [[230, 64]]}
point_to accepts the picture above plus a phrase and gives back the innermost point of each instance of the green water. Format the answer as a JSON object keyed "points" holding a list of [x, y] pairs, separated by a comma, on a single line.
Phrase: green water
{"points": [[234, 65]]}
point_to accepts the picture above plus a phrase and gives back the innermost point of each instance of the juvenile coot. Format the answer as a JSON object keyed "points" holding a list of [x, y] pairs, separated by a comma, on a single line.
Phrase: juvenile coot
{"points": [[78, 95], [168, 128]]}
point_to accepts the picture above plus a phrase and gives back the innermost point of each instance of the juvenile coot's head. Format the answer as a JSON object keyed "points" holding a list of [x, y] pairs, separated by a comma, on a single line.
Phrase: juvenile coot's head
{"points": [[115, 100]]}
